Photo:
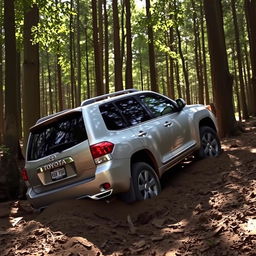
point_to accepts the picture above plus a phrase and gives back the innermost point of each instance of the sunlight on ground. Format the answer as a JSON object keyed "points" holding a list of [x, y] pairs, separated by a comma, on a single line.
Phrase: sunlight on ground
{"points": [[253, 150]]}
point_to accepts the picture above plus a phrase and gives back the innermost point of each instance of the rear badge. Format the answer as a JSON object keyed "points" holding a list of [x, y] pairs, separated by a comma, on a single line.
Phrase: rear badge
{"points": [[52, 157]]}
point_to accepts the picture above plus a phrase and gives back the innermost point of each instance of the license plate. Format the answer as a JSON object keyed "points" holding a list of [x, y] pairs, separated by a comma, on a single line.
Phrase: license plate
{"points": [[58, 174]]}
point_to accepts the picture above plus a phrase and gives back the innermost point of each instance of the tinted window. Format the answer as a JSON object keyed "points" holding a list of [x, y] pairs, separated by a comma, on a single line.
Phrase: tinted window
{"points": [[112, 117], [158, 105], [132, 110], [57, 136]]}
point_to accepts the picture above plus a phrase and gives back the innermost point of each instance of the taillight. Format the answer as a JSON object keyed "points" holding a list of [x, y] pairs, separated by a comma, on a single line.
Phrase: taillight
{"points": [[100, 150], [24, 174]]}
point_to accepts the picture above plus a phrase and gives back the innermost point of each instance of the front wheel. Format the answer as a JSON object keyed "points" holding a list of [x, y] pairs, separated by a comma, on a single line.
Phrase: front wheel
{"points": [[210, 143]]}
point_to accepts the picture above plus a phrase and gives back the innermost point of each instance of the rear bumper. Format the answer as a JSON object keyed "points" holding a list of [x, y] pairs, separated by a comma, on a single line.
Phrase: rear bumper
{"points": [[110, 172]]}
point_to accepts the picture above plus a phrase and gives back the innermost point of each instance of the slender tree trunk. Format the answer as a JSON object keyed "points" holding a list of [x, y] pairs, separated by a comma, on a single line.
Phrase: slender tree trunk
{"points": [[117, 52], [206, 86], [59, 100], [141, 70], [71, 55], [11, 136], [128, 71], [197, 59], [79, 61], [97, 54], [236, 87], [122, 33], [185, 71], [106, 47], [151, 50], [49, 84], [177, 73], [101, 42], [87, 64], [239, 60], [171, 91], [31, 84], [221, 78], [18, 88], [1, 76], [250, 11]]}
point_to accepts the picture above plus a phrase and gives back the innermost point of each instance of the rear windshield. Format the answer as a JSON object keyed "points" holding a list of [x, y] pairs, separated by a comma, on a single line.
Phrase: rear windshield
{"points": [[57, 136]]}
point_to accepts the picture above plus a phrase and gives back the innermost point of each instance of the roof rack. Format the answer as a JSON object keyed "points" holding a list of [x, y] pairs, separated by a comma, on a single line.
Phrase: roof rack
{"points": [[107, 96]]}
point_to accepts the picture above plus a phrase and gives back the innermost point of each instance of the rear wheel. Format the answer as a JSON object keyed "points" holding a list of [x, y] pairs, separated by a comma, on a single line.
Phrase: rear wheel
{"points": [[144, 183], [210, 143]]}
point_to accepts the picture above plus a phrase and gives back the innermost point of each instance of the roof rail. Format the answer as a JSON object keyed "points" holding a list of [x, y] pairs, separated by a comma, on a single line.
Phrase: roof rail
{"points": [[107, 96]]}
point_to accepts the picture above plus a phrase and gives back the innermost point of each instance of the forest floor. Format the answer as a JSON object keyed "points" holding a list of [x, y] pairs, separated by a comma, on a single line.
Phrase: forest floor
{"points": [[207, 207]]}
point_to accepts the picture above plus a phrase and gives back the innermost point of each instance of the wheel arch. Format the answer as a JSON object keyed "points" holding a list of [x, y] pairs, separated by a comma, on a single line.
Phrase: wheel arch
{"points": [[207, 121], [147, 157]]}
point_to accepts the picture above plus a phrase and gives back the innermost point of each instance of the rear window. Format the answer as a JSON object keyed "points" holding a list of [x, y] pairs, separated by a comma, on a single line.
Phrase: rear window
{"points": [[57, 136]]}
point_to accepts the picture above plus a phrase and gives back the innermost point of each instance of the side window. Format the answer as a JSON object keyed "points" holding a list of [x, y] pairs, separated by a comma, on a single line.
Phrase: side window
{"points": [[132, 111], [112, 117], [158, 105]]}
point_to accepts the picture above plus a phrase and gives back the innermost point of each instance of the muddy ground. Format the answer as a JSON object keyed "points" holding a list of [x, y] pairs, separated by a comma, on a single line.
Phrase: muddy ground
{"points": [[207, 207]]}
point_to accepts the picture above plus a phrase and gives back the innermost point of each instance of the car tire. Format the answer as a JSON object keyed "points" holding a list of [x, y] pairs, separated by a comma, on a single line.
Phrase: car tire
{"points": [[210, 143], [144, 182]]}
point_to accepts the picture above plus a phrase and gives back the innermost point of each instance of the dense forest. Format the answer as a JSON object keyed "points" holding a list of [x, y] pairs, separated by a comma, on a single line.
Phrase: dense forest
{"points": [[56, 53]]}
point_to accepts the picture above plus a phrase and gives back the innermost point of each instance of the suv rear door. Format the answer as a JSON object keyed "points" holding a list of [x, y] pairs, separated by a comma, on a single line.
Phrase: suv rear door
{"points": [[58, 152]]}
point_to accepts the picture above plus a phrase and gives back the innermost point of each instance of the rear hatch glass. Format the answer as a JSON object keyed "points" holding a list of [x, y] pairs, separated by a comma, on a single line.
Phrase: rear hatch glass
{"points": [[56, 135]]}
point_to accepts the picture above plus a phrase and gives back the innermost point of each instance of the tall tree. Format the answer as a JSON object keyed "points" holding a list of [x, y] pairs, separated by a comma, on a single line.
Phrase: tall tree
{"points": [[97, 58], [106, 38], [250, 11], [239, 60], [79, 58], [31, 85], [128, 70], [221, 78], [151, 50], [117, 50], [11, 135], [1, 75]]}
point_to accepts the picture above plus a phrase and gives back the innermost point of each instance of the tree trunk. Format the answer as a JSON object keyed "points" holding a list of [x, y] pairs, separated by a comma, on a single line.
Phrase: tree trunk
{"points": [[101, 42], [177, 73], [221, 78], [171, 91], [1, 76], [11, 136], [31, 85], [87, 64], [79, 61], [59, 98], [18, 88], [128, 71], [185, 71], [197, 57], [206, 86], [71, 55], [117, 52], [49, 84], [97, 56], [250, 11], [106, 47], [239, 61], [151, 50]]}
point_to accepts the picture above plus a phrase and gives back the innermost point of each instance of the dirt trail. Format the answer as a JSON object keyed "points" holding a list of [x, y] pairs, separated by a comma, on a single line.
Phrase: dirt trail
{"points": [[206, 207]]}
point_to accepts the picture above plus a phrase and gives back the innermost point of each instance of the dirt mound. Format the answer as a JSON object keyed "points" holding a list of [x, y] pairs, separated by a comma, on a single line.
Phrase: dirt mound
{"points": [[206, 208]]}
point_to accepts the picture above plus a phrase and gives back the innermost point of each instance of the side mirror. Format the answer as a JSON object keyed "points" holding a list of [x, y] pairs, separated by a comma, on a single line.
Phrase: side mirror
{"points": [[180, 104]]}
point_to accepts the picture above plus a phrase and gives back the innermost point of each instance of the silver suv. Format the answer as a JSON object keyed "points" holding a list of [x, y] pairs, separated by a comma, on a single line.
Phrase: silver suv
{"points": [[116, 143]]}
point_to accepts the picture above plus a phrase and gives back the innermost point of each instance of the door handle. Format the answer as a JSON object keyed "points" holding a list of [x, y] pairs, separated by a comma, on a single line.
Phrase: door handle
{"points": [[167, 124], [142, 134]]}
